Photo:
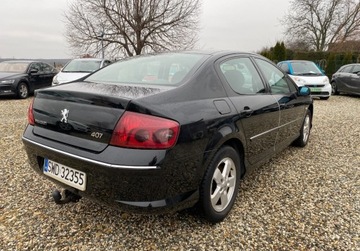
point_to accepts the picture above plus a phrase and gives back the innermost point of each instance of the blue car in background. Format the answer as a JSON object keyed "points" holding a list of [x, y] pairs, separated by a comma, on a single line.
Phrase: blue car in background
{"points": [[307, 73]]}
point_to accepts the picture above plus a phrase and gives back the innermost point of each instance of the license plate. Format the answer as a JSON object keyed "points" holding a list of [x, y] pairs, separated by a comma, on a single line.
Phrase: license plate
{"points": [[315, 89], [65, 174]]}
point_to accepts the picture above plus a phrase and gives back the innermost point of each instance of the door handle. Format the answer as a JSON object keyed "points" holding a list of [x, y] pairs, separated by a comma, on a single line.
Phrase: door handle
{"points": [[246, 112], [285, 106]]}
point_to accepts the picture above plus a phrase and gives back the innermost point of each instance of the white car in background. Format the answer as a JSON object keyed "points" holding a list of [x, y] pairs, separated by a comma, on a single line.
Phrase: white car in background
{"points": [[78, 68], [307, 73]]}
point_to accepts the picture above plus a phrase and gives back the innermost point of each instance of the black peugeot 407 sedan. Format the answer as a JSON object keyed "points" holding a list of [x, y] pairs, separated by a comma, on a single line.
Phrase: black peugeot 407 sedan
{"points": [[165, 132]]}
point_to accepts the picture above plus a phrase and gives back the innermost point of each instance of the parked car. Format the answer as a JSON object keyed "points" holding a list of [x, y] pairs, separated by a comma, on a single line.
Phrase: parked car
{"points": [[346, 79], [147, 138], [21, 78], [307, 73], [78, 68]]}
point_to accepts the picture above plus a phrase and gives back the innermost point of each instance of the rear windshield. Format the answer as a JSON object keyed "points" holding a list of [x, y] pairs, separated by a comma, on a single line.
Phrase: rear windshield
{"points": [[161, 69]]}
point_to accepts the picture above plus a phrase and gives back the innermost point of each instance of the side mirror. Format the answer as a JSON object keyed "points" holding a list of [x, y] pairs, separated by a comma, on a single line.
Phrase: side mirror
{"points": [[304, 91], [33, 71]]}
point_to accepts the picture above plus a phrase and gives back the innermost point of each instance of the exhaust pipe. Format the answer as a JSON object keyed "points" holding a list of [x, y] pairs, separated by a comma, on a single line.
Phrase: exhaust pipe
{"points": [[65, 197]]}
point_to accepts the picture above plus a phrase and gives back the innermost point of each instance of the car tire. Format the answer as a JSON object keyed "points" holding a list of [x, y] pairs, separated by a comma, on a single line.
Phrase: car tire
{"points": [[220, 185], [334, 90], [22, 90], [303, 139]]}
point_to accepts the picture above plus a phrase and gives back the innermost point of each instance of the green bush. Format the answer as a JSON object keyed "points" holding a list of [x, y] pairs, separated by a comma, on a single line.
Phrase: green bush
{"points": [[328, 61]]}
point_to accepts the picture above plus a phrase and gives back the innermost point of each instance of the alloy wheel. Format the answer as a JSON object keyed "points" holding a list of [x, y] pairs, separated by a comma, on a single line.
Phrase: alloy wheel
{"points": [[223, 184], [306, 128], [333, 88], [23, 91]]}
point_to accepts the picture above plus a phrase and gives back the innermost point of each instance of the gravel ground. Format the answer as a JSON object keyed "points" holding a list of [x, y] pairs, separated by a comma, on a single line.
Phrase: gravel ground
{"points": [[303, 199]]}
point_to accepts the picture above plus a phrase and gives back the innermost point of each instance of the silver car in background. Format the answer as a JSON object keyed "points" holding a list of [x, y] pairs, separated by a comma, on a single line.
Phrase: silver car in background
{"points": [[78, 68], [346, 79]]}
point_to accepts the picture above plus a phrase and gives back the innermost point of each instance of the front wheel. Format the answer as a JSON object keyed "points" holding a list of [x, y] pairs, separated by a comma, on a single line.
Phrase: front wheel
{"points": [[22, 90], [334, 90], [220, 184], [305, 131]]}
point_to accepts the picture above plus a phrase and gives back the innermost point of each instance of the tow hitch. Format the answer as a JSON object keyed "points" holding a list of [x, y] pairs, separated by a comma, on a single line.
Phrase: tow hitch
{"points": [[65, 197]]}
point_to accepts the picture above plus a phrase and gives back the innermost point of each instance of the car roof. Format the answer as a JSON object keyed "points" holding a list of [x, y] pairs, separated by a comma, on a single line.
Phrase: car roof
{"points": [[351, 64], [88, 59], [294, 61], [218, 53], [215, 52]]}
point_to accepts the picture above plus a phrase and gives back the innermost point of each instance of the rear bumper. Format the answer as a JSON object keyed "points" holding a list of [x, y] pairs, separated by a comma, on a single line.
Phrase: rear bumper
{"points": [[143, 181]]}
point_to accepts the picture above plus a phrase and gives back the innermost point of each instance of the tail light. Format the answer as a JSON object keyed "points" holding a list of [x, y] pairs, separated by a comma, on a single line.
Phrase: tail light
{"points": [[31, 119], [136, 130]]}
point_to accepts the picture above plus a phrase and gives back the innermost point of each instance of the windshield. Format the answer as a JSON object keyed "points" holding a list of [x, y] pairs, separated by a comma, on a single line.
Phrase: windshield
{"points": [[16, 67], [162, 69], [82, 66], [304, 68]]}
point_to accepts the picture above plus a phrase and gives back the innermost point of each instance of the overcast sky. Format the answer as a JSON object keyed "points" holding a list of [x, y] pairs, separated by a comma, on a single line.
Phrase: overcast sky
{"points": [[35, 28]]}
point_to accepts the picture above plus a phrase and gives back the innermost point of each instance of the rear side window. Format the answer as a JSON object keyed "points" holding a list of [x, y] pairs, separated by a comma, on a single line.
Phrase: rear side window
{"points": [[35, 66], [242, 76], [46, 68], [356, 69]]}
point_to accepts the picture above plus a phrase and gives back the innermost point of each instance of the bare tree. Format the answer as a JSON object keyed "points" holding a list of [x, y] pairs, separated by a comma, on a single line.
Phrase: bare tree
{"points": [[319, 23], [132, 27]]}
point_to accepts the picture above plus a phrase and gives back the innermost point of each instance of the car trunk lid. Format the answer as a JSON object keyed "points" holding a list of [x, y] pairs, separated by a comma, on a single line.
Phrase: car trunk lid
{"points": [[83, 114]]}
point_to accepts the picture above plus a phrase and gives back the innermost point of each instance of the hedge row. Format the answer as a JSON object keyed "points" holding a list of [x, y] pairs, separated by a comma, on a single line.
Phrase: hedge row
{"points": [[328, 61]]}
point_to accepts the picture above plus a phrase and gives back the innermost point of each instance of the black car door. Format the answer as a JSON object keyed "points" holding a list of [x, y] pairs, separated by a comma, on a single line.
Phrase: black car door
{"points": [[292, 107], [47, 74], [258, 112], [35, 80]]}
